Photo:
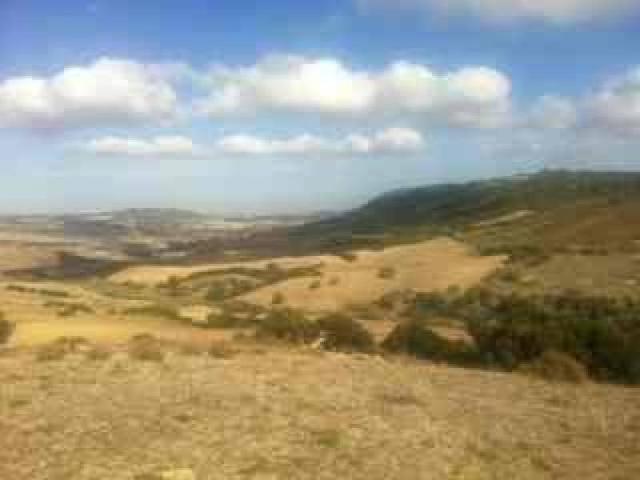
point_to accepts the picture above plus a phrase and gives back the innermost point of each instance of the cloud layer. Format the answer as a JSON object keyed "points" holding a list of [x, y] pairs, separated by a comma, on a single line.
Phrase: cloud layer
{"points": [[106, 92], [162, 146], [399, 141], [469, 97], [552, 11]]}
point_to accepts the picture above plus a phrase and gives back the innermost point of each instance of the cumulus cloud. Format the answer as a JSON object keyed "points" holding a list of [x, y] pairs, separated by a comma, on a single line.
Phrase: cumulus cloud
{"points": [[552, 11], [106, 92], [392, 140], [554, 113], [615, 106], [164, 146], [469, 97], [397, 140]]}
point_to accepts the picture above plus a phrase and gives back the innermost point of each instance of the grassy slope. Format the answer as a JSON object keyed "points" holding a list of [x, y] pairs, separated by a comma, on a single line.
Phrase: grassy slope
{"points": [[585, 208], [302, 415]]}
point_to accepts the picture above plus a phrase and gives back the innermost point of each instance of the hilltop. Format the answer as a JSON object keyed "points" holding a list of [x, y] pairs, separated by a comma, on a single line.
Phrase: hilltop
{"points": [[548, 210]]}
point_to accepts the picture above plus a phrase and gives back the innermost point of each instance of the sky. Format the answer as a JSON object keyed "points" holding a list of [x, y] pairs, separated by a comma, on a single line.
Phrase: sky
{"points": [[238, 106]]}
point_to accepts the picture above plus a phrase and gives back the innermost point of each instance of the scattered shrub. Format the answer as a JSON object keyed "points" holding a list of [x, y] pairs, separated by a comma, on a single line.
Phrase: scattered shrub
{"points": [[315, 285], [71, 309], [146, 348], [342, 333], [333, 281], [556, 366], [386, 273], [6, 329], [221, 350], [227, 319], [288, 325], [225, 289], [348, 256], [60, 348], [156, 310], [98, 353], [277, 298], [40, 291]]}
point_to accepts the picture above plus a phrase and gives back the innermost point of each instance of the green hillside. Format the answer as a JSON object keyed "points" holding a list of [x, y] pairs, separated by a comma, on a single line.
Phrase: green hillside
{"points": [[549, 210]]}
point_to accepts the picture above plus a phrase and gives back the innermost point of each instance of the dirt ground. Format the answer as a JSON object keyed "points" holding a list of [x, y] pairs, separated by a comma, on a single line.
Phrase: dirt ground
{"points": [[297, 414]]}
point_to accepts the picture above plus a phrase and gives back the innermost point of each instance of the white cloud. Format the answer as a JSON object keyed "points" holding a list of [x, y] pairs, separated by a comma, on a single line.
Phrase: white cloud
{"points": [[552, 11], [171, 146], [616, 106], [469, 97], [553, 113], [391, 141], [398, 140], [106, 92]]}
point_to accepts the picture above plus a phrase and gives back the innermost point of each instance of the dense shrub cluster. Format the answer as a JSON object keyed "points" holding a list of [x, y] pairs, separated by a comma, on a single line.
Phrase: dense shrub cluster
{"points": [[602, 334], [509, 331], [415, 338], [228, 288], [342, 333], [288, 325], [336, 332]]}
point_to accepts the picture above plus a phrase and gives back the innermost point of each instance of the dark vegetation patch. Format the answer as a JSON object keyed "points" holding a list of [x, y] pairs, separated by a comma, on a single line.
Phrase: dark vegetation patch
{"points": [[39, 291], [512, 331], [335, 332], [556, 366], [157, 310], [339, 332], [6, 329], [146, 348]]}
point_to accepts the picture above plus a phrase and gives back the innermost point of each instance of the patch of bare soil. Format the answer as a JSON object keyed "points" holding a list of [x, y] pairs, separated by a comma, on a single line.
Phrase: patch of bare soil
{"points": [[286, 414]]}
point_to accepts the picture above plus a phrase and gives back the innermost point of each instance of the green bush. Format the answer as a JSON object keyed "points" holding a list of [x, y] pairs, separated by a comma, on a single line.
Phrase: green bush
{"points": [[288, 325], [601, 333], [414, 338], [556, 366], [342, 333]]}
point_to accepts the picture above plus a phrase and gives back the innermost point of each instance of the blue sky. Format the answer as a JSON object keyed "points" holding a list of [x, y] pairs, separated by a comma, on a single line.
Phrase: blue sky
{"points": [[239, 106]]}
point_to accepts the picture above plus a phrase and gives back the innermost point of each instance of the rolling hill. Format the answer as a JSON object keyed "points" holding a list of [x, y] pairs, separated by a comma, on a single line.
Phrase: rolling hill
{"points": [[552, 209]]}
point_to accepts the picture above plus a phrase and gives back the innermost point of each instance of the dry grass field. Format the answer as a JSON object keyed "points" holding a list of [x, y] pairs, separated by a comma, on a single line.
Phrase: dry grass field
{"points": [[274, 413], [427, 266], [41, 318], [17, 256]]}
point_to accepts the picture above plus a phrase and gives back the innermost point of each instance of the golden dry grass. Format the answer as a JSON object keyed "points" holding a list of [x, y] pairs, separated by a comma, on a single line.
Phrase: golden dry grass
{"points": [[287, 414], [427, 266], [38, 322]]}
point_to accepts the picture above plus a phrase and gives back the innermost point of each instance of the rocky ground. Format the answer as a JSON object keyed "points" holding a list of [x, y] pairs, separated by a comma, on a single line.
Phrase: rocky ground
{"points": [[276, 413]]}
